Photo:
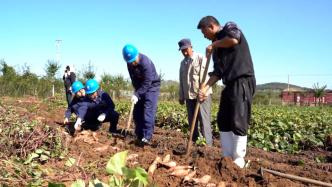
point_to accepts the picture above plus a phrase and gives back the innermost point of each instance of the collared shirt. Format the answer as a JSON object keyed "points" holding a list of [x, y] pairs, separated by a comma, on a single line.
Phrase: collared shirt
{"points": [[191, 75]]}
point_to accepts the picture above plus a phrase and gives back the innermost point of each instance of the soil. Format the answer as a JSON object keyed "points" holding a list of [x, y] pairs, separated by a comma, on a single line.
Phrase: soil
{"points": [[93, 152]]}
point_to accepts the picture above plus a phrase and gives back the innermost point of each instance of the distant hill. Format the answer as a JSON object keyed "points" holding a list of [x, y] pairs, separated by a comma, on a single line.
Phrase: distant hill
{"points": [[278, 86]]}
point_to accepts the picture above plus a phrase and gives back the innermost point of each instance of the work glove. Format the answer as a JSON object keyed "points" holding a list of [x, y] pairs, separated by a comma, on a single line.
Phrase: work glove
{"points": [[78, 124], [65, 121], [101, 117], [134, 99]]}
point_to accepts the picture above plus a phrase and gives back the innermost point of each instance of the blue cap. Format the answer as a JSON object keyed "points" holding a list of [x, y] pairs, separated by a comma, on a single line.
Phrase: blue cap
{"points": [[184, 44]]}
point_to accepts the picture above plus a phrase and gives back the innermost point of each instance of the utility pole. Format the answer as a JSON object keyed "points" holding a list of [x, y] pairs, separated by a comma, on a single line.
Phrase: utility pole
{"points": [[57, 56], [288, 84]]}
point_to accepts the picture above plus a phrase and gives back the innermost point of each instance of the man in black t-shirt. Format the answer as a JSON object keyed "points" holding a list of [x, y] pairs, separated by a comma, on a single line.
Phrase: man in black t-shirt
{"points": [[232, 64]]}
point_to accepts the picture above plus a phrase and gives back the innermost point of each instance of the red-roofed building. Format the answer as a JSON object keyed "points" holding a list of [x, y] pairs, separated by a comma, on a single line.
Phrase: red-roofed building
{"points": [[305, 98]]}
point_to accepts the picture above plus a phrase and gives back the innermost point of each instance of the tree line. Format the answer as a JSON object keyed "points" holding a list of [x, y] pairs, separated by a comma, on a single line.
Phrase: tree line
{"points": [[22, 83]]}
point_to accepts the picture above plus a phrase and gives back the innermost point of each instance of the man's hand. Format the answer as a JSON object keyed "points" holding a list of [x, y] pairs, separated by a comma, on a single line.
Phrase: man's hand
{"points": [[134, 99], [181, 101], [78, 124], [65, 121], [202, 93], [101, 117]]}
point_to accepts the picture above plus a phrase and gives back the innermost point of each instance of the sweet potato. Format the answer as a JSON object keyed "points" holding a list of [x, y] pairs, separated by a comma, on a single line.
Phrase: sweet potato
{"points": [[102, 148], [169, 164], [222, 184], [203, 180], [167, 158], [153, 166], [180, 172], [180, 168], [189, 176]]}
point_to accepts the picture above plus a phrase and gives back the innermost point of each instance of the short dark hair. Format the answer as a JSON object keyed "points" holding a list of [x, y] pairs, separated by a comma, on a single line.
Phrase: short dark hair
{"points": [[68, 68], [207, 21]]}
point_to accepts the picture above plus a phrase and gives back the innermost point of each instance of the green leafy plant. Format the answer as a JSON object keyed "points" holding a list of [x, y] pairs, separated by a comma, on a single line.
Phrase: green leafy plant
{"points": [[200, 141], [123, 176]]}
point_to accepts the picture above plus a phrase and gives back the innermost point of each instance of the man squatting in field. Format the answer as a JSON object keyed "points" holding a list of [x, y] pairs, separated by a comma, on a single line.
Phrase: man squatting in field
{"points": [[146, 83], [191, 73], [78, 95], [232, 64], [97, 107]]}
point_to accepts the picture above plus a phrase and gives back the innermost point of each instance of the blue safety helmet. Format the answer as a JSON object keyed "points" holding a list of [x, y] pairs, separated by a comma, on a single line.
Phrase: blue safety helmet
{"points": [[76, 86], [129, 53], [91, 86]]}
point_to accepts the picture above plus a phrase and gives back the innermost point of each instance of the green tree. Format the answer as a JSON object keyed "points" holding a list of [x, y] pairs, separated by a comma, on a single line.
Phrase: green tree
{"points": [[88, 72], [51, 69], [114, 84], [7, 78], [6, 70], [170, 89], [319, 92]]}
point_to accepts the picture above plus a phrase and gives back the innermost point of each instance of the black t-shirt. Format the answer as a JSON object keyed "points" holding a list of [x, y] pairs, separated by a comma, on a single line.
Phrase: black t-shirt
{"points": [[234, 62]]}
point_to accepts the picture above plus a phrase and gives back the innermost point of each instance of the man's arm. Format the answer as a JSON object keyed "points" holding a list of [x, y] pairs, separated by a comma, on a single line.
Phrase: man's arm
{"points": [[205, 87], [181, 94], [147, 73], [233, 37], [109, 103], [226, 42]]}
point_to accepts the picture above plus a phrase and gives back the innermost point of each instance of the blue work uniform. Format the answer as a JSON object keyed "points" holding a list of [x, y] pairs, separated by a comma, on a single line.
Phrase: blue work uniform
{"points": [[73, 107], [146, 82], [91, 109]]}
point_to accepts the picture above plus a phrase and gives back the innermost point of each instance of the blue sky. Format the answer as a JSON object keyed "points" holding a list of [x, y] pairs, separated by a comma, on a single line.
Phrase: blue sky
{"points": [[285, 37]]}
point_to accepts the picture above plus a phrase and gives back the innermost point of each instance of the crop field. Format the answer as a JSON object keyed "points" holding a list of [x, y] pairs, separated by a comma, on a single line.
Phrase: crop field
{"points": [[36, 150]]}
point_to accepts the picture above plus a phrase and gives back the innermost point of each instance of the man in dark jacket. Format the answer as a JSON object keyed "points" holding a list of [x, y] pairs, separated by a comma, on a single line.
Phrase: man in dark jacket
{"points": [[78, 101], [97, 108], [146, 83], [232, 64], [69, 78]]}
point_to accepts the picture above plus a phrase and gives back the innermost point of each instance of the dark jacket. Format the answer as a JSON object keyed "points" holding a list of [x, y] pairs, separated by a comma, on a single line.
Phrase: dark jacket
{"points": [[144, 76], [89, 109], [69, 80], [75, 105]]}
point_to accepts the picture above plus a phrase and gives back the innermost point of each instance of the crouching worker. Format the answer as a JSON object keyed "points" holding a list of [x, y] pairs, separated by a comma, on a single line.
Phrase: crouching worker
{"points": [[98, 108], [78, 98]]}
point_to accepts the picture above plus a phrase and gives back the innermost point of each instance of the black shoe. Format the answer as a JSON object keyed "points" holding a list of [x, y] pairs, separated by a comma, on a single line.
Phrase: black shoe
{"points": [[70, 129], [115, 133], [142, 142], [145, 141]]}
